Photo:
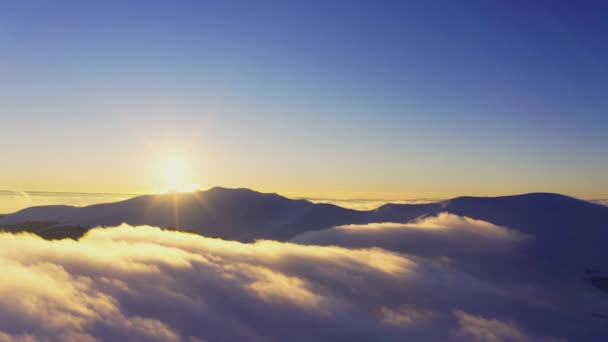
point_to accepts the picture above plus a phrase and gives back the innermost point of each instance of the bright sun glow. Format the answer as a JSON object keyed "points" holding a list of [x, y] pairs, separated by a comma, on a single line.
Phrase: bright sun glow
{"points": [[176, 176]]}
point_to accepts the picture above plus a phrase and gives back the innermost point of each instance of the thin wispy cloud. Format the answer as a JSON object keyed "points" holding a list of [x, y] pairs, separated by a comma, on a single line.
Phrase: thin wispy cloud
{"points": [[600, 201]]}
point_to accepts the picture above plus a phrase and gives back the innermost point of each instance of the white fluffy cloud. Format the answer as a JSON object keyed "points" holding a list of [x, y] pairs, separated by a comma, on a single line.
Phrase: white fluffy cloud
{"points": [[443, 235], [144, 283]]}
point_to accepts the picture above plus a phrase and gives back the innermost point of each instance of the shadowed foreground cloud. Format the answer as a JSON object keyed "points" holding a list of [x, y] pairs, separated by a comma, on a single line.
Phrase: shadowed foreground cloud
{"points": [[145, 283]]}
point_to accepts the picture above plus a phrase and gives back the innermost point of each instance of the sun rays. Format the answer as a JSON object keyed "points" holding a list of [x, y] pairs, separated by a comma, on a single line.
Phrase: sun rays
{"points": [[176, 175]]}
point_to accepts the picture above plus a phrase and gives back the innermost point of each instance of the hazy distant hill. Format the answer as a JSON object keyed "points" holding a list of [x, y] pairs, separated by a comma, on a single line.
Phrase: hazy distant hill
{"points": [[245, 215]]}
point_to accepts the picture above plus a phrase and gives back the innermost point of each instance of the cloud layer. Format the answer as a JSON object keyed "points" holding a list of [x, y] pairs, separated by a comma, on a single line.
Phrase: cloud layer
{"points": [[145, 283], [600, 201], [368, 204], [443, 235]]}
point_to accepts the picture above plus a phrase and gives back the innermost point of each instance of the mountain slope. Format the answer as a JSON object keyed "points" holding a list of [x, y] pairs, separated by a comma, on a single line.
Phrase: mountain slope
{"points": [[246, 215], [531, 212], [567, 229], [239, 214], [40, 213]]}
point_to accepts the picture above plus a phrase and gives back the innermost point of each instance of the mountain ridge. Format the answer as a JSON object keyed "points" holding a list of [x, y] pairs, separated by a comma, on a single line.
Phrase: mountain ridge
{"points": [[247, 190], [244, 214]]}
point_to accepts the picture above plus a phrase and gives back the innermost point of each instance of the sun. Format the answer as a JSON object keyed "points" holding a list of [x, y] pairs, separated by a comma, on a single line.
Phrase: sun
{"points": [[176, 176]]}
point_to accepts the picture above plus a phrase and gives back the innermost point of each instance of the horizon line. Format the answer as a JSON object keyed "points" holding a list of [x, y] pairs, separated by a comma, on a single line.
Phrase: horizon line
{"points": [[72, 192], [311, 198]]}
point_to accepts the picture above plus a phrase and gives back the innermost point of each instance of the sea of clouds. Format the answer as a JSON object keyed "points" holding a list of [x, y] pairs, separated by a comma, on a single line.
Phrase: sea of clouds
{"points": [[368, 204], [443, 278]]}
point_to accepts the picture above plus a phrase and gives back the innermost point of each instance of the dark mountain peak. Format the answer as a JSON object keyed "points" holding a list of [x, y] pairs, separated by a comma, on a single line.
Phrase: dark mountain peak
{"points": [[538, 201], [221, 189], [399, 206], [533, 196], [40, 213], [545, 214], [44, 208], [241, 193]]}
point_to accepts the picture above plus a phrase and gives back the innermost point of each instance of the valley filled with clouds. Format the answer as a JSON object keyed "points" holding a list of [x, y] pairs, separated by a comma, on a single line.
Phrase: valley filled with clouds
{"points": [[440, 278], [303, 171]]}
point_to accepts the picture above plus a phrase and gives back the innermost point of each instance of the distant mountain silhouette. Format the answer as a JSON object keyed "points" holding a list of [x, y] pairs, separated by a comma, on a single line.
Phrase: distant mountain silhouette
{"points": [[567, 229], [40, 213], [240, 214], [246, 215]]}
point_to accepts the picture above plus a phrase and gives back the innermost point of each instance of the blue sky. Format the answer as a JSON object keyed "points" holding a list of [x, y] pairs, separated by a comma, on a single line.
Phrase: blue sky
{"points": [[392, 98]]}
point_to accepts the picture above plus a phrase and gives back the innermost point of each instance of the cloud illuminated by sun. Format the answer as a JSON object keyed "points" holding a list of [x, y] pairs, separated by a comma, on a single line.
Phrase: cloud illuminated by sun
{"points": [[176, 176]]}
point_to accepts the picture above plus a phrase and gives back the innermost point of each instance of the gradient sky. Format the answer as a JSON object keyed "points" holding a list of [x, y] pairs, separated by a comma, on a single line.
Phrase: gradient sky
{"points": [[391, 99]]}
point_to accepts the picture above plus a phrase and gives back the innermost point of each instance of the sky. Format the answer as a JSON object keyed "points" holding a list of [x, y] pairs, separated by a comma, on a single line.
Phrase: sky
{"points": [[340, 99]]}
